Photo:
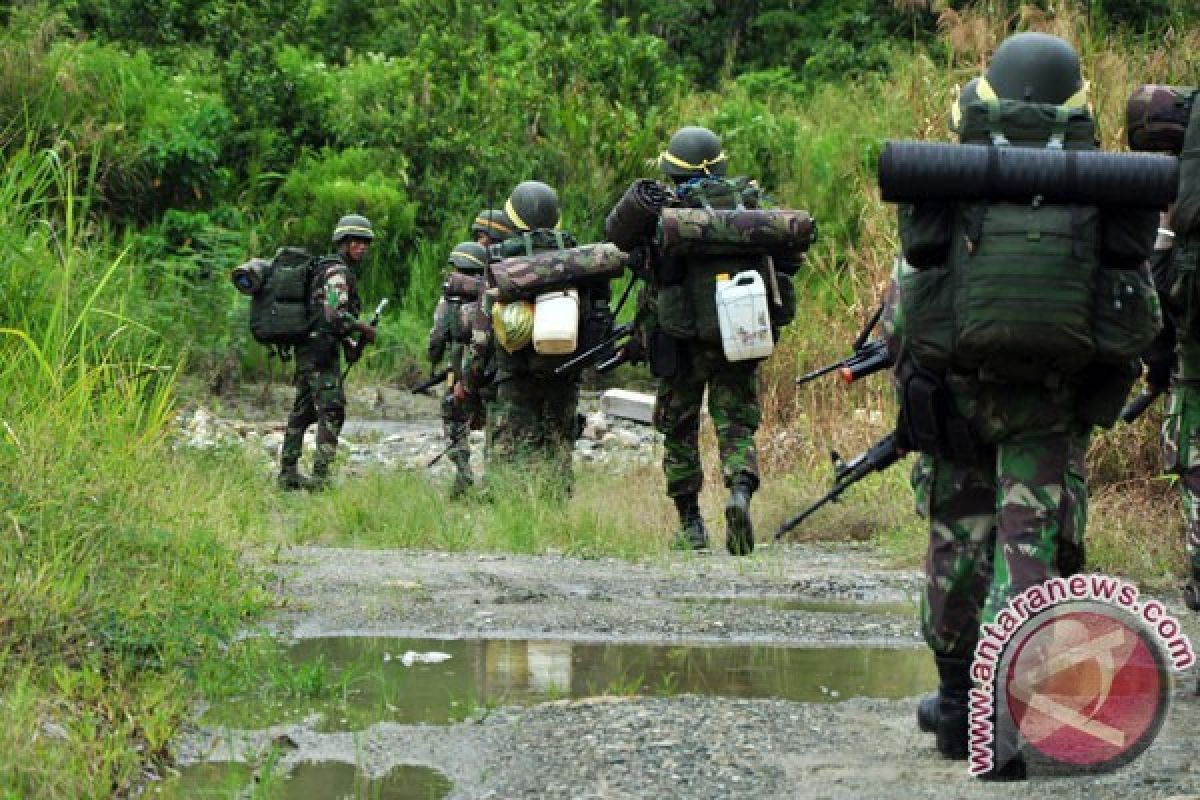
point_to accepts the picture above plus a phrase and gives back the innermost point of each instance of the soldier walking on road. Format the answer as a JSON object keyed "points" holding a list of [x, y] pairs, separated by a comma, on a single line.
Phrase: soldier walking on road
{"points": [[447, 339], [320, 396], [1004, 493]]}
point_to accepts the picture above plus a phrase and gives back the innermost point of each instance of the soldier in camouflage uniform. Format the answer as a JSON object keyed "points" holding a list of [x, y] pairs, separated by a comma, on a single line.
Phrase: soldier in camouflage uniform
{"points": [[446, 340], [1014, 516], [533, 412], [320, 396], [696, 366], [1173, 363]]}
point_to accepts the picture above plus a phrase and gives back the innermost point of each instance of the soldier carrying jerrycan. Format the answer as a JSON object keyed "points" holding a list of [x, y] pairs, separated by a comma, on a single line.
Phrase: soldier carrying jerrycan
{"points": [[718, 273]]}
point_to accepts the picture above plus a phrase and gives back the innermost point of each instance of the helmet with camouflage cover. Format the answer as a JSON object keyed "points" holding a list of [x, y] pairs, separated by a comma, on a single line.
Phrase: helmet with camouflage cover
{"points": [[693, 152], [494, 224], [1035, 68], [470, 257], [353, 226], [532, 205]]}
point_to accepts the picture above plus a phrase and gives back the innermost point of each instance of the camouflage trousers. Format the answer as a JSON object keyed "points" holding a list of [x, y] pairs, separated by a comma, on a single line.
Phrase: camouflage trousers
{"points": [[456, 425], [1181, 456], [995, 529], [733, 406], [320, 398], [533, 417]]}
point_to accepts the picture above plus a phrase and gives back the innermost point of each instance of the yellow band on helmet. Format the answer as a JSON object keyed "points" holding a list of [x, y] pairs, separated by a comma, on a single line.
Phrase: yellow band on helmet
{"points": [[355, 230], [515, 217], [469, 257], [988, 95], [703, 165], [496, 225]]}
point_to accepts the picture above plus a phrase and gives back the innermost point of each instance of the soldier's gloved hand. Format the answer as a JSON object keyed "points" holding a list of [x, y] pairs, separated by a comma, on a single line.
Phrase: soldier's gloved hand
{"points": [[367, 332], [352, 350]]}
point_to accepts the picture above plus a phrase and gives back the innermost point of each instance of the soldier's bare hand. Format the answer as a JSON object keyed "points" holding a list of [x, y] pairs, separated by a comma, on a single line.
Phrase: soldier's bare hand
{"points": [[367, 332]]}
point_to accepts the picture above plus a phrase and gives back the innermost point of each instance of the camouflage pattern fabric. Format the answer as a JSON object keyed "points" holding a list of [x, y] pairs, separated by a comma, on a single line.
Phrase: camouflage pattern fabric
{"points": [[320, 396], [743, 231], [533, 417], [446, 348], [996, 528], [1156, 117], [733, 407], [1181, 445], [523, 277]]}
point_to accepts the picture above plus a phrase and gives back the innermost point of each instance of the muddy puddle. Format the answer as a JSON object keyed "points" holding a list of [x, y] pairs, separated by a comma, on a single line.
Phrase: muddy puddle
{"points": [[310, 781], [410, 681]]}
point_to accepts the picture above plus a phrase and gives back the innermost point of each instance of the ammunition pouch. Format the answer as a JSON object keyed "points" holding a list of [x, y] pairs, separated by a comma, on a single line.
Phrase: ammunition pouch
{"points": [[667, 355], [929, 422]]}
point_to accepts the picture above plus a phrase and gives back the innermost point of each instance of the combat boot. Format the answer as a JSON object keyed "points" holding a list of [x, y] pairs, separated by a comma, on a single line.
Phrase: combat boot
{"points": [[739, 531], [1191, 594], [927, 706], [691, 535], [290, 479], [950, 725], [321, 479], [463, 483]]}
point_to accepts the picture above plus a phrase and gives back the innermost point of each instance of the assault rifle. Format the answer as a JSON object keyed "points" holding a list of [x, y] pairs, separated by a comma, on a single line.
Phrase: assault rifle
{"points": [[357, 344], [433, 380], [1138, 405], [872, 357], [877, 458], [868, 358], [607, 355]]}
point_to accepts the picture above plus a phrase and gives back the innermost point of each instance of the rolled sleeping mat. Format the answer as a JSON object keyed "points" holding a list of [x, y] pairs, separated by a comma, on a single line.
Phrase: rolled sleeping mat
{"points": [[462, 287], [1156, 117], [524, 277], [249, 278], [741, 231], [912, 172], [633, 219]]}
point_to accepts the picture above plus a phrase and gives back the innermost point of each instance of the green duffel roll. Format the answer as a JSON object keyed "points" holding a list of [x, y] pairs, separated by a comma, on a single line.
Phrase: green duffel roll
{"points": [[749, 231], [524, 277]]}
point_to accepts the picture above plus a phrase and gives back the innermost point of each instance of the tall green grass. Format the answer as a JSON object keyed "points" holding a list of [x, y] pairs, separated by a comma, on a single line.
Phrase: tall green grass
{"points": [[115, 547]]}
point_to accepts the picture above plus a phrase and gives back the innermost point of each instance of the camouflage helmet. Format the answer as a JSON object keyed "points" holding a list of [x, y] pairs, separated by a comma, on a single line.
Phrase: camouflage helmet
{"points": [[532, 205], [353, 226], [494, 223], [469, 257], [963, 96], [1035, 68], [693, 152]]}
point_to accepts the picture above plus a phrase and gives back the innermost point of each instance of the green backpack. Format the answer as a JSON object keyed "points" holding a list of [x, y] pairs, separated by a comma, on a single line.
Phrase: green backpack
{"points": [[280, 316], [1022, 294], [687, 284], [1182, 285]]}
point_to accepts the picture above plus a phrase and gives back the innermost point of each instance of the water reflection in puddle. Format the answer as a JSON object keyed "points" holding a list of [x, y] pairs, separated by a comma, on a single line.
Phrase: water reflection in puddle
{"points": [[483, 673], [311, 781]]}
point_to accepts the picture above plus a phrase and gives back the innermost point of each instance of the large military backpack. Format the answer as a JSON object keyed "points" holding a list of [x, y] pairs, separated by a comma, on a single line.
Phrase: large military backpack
{"points": [[686, 274], [1021, 293], [1182, 283], [280, 314]]}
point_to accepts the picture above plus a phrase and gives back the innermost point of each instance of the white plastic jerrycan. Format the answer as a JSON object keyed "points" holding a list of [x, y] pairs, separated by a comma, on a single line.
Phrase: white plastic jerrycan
{"points": [[744, 317], [556, 322]]}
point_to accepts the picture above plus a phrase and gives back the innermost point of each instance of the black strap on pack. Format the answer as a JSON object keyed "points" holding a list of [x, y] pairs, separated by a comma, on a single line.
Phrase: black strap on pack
{"points": [[929, 420]]}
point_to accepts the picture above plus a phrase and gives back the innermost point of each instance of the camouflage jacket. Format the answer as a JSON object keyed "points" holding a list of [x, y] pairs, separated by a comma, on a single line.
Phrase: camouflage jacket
{"points": [[335, 292], [335, 295]]}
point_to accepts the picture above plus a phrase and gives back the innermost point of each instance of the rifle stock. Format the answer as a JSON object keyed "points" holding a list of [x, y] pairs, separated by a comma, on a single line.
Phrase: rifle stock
{"points": [[604, 355]]}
